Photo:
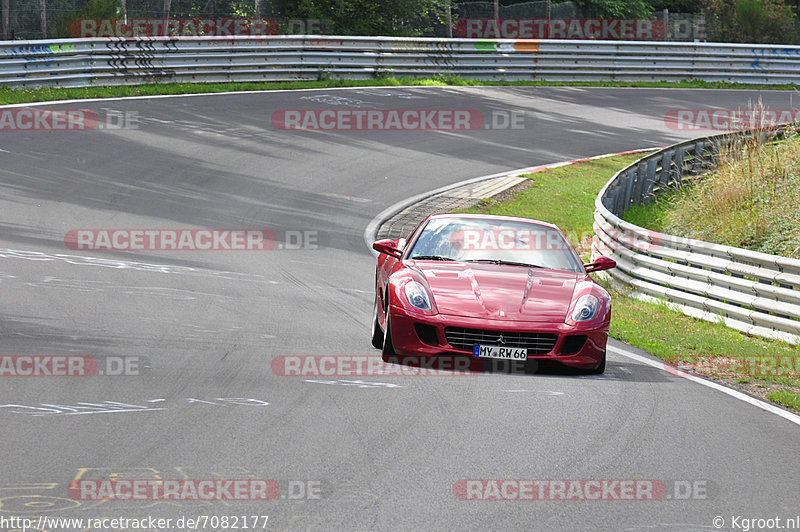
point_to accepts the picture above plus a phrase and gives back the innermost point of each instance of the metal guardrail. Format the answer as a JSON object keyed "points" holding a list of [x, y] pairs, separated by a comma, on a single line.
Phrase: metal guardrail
{"points": [[119, 61], [753, 292]]}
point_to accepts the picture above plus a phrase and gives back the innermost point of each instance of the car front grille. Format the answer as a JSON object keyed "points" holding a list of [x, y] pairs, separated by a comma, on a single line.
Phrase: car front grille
{"points": [[536, 343]]}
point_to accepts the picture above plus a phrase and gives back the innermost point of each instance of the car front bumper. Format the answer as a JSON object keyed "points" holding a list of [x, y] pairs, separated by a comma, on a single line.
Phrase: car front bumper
{"points": [[424, 335]]}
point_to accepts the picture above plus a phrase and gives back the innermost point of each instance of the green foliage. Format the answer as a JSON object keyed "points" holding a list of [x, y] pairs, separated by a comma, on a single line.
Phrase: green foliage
{"points": [[615, 8], [101, 9], [749, 201], [369, 17], [750, 16], [92, 9], [653, 215], [678, 6], [786, 398], [9, 95], [564, 196], [380, 74], [751, 21], [207, 8], [447, 78]]}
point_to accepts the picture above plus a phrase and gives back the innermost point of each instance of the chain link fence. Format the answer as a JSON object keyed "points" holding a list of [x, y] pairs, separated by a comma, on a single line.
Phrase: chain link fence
{"points": [[536, 9]]}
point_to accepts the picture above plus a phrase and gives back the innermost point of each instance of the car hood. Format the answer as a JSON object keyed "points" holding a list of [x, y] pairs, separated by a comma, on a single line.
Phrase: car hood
{"points": [[500, 292]]}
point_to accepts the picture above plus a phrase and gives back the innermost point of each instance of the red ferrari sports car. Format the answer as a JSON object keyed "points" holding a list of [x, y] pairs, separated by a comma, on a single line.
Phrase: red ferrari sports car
{"points": [[493, 287]]}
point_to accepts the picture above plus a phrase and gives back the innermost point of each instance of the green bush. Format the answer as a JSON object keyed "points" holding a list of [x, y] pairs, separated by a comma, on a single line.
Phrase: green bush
{"points": [[369, 17], [751, 21], [92, 9]]}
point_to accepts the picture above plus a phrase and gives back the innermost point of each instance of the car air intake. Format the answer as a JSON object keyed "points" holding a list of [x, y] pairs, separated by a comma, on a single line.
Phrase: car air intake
{"points": [[466, 339], [427, 333], [573, 344]]}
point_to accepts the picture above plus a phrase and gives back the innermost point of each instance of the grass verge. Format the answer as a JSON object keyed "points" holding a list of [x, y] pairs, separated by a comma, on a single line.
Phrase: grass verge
{"points": [[565, 196], [748, 201], [10, 96], [786, 398]]}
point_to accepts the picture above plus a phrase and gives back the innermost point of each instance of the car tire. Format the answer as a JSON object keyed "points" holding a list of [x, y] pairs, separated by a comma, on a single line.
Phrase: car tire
{"points": [[377, 333], [599, 370], [388, 346]]}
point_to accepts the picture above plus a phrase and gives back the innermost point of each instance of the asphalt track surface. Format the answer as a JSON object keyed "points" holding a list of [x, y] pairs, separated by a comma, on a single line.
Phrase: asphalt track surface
{"points": [[376, 452]]}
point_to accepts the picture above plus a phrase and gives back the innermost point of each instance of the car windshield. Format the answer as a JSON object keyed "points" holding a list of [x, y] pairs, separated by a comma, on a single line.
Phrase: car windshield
{"points": [[495, 241]]}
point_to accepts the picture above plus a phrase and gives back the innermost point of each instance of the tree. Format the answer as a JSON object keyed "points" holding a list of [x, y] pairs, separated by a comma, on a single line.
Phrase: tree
{"points": [[6, 10], [750, 21], [615, 8], [93, 9], [43, 17], [678, 6], [369, 17]]}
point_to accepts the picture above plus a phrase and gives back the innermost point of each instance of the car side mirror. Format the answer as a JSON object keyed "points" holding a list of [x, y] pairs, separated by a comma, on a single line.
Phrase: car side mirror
{"points": [[602, 263], [388, 247]]}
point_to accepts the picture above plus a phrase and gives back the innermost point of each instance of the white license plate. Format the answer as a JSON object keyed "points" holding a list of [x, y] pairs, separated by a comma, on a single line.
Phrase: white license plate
{"points": [[498, 351]]}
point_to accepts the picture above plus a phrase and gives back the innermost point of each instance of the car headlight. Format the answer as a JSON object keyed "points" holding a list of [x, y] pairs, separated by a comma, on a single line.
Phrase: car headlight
{"points": [[585, 308], [417, 296]]}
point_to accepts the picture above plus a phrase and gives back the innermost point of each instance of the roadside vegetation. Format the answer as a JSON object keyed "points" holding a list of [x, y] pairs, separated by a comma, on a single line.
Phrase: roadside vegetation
{"points": [[751, 21], [14, 96], [748, 201], [563, 196], [765, 368], [762, 21]]}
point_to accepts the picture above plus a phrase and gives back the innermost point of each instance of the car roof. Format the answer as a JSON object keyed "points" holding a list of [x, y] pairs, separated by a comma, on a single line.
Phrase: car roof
{"points": [[490, 217]]}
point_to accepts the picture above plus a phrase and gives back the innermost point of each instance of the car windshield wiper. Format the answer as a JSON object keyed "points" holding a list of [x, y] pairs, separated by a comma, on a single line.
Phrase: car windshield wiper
{"points": [[431, 257], [506, 262]]}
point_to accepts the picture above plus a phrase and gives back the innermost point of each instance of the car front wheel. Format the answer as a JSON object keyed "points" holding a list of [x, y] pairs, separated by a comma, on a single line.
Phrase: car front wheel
{"points": [[388, 346], [599, 369], [377, 333]]}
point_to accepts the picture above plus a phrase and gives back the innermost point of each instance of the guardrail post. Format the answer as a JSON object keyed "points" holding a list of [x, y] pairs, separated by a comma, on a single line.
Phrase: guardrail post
{"points": [[651, 179]]}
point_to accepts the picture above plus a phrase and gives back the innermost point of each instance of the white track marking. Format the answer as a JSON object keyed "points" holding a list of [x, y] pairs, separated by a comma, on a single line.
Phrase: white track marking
{"points": [[794, 418]]}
